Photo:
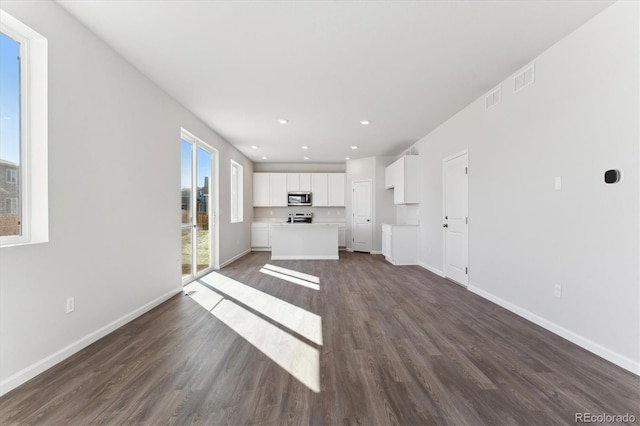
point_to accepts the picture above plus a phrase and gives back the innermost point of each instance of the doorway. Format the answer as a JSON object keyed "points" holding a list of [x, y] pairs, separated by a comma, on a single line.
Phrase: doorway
{"points": [[197, 205], [456, 218], [361, 225]]}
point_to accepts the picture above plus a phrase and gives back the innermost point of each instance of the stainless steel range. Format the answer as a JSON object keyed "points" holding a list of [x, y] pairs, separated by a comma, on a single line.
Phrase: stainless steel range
{"points": [[300, 217]]}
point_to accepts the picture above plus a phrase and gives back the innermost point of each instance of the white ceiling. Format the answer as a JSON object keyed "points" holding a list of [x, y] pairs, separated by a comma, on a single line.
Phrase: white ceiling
{"points": [[406, 66]]}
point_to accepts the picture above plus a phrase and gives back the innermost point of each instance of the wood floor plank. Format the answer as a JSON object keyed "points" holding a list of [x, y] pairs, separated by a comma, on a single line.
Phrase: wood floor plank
{"points": [[399, 345]]}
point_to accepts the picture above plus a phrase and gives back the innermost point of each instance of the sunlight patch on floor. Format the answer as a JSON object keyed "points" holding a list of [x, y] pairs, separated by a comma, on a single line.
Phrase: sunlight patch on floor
{"points": [[203, 295], [301, 321], [291, 272], [300, 360], [290, 279]]}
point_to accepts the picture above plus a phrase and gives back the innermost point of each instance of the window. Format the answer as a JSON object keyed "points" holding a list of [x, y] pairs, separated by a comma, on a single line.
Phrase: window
{"points": [[11, 205], [23, 134], [236, 192], [12, 176]]}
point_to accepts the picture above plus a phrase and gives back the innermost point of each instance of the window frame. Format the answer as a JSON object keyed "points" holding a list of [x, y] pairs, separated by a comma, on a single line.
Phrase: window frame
{"points": [[33, 173], [237, 192]]}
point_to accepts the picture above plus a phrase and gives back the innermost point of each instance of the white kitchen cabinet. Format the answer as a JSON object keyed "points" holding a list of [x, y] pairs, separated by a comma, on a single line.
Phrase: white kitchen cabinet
{"points": [[400, 244], [293, 182], [278, 189], [402, 176], [305, 181], [319, 190], [261, 190], [342, 235], [390, 176], [269, 189], [299, 182], [260, 235], [335, 189]]}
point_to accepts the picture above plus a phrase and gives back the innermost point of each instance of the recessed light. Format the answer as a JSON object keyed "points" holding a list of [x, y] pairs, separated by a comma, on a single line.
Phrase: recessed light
{"points": [[282, 121], [264, 158], [347, 158], [354, 147], [306, 158], [365, 122], [254, 146], [304, 147]]}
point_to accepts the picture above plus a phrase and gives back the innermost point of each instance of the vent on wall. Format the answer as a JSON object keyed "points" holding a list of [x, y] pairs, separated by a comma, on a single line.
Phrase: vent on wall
{"points": [[493, 97], [523, 78]]}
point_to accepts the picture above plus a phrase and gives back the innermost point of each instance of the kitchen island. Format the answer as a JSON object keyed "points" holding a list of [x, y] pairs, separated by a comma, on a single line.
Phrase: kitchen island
{"points": [[304, 241]]}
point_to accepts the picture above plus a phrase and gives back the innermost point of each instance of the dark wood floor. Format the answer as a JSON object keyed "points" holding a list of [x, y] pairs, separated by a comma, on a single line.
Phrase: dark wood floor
{"points": [[401, 346]]}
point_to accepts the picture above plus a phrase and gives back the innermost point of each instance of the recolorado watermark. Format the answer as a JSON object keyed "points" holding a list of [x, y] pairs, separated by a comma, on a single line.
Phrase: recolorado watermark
{"points": [[604, 418]]}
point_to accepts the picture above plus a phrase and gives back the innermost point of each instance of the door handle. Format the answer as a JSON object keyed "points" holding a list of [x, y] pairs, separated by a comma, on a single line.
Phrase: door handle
{"points": [[368, 220], [445, 226]]}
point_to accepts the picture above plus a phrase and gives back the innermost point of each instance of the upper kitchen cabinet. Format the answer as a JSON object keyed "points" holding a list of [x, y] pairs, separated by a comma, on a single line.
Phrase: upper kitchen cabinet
{"points": [[261, 190], [319, 190], [278, 189], [402, 176], [299, 182], [269, 189], [327, 189], [335, 196]]}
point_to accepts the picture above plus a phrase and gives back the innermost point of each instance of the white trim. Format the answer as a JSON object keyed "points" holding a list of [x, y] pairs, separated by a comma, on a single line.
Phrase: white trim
{"points": [[34, 177], [233, 259], [583, 342], [33, 370], [260, 248], [239, 191], [431, 269], [376, 251]]}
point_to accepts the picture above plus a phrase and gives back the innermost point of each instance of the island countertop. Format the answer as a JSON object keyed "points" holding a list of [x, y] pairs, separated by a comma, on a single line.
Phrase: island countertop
{"points": [[304, 241]]}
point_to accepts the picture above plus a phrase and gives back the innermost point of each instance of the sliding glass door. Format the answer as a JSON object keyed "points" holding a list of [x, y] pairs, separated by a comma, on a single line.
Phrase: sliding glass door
{"points": [[197, 207]]}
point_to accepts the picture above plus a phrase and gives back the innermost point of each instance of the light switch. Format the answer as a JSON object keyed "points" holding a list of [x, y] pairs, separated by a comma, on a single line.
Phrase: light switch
{"points": [[558, 183]]}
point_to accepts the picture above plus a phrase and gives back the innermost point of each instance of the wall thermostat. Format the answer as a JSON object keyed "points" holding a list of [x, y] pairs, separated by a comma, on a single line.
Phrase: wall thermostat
{"points": [[612, 176]]}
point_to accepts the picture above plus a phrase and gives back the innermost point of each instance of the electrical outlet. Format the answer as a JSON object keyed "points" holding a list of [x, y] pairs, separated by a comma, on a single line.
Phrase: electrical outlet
{"points": [[71, 304], [557, 184], [557, 291]]}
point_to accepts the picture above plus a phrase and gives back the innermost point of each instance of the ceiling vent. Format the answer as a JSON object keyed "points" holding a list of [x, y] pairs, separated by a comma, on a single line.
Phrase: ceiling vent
{"points": [[523, 78], [493, 97]]}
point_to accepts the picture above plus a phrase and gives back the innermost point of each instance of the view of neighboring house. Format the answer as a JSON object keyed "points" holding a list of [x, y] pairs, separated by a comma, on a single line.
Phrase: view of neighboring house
{"points": [[9, 194]]}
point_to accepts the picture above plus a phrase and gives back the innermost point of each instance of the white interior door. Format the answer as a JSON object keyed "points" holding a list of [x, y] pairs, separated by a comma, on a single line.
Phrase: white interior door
{"points": [[455, 223], [362, 227]]}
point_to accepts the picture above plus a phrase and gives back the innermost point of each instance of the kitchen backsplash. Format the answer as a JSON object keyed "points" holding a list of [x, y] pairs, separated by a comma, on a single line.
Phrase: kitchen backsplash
{"points": [[320, 214]]}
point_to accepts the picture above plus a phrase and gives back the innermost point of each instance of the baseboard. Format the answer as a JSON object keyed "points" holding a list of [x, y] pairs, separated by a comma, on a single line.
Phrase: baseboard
{"points": [[583, 342], [33, 370], [431, 269], [349, 249], [376, 252], [234, 258]]}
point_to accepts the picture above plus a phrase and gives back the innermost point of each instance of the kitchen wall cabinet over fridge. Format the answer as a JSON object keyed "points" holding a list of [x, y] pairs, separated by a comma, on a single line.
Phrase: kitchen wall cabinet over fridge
{"points": [[402, 176]]}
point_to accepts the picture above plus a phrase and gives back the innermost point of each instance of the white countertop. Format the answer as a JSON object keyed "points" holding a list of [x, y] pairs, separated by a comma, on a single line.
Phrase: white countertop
{"points": [[301, 225]]}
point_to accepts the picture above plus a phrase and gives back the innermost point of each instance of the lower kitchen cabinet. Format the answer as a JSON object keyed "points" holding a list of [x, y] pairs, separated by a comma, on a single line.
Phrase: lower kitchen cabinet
{"points": [[400, 244], [260, 235]]}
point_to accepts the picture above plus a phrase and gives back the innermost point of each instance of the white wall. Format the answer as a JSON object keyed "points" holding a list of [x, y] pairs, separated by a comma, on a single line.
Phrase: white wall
{"points": [[114, 189], [577, 120]]}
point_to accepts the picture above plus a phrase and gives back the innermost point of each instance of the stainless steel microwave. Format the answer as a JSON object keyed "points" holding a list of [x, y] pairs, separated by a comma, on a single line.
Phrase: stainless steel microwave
{"points": [[299, 198]]}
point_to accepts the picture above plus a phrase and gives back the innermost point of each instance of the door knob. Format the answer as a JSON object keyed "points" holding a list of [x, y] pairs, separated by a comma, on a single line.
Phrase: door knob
{"points": [[445, 226], [368, 220]]}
